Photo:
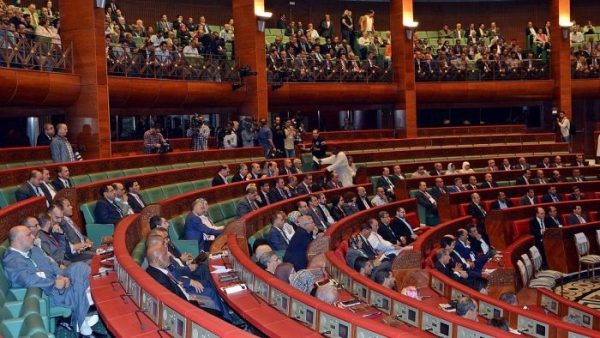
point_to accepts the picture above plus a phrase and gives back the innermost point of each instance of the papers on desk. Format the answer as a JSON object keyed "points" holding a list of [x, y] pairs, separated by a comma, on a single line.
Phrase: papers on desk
{"points": [[488, 271], [513, 331], [315, 159], [218, 255], [219, 269], [447, 307], [234, 288]]}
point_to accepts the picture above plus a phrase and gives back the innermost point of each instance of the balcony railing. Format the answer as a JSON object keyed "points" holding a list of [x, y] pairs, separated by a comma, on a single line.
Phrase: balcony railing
{"points": [[586, 68], [31, 52], [174, 66], [458, 70], [301, 69]]}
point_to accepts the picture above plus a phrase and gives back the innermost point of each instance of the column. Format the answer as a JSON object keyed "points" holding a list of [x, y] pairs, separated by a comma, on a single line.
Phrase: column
{"points": [[401, 11], [88, 119], [560, 13], [250, 51]]}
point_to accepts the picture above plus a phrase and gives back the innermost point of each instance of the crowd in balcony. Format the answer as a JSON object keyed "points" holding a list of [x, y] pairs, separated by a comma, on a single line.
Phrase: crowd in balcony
{"points": [[479, 53], [585, 49], [319, 53], [168, 44], [25, 28]]}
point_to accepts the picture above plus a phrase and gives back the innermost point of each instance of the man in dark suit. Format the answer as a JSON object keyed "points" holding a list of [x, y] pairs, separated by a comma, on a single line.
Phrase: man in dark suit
{"points": [[458, 185], [326, 27], [544, 164], [443, 264], [134, 199], [362, 200], [221, 177], [557, 162], [577, 217], [473, 185], [437, 170], [478, 244], [488, 182], [579, 161], [501, 202], [522, 165], [438, 189], [315, 212], [296, 250], [402, 228], [551, 196], [199, 227], [425, 200], [385, 181], [540, 177], [247, 204], [263, 194], [525, 179], [241, 175], [537, 227], [556, 177], [107, 212], [277, 239], [397, 176], [463, 248], [31, 188], [576, 176], [288, 168], [334, 181], [305, 187], [506, 166], [576, 195], [279, 192], [529, 198], [552, 220], [385, 229], [63, 179], [45, 138], [477, 211]]}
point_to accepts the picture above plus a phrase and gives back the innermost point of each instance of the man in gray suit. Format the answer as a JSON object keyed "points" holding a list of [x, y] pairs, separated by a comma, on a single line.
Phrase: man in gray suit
{"points": [[60, 148], [50, 238], [27, 266], [249, 203], [79, 247]]}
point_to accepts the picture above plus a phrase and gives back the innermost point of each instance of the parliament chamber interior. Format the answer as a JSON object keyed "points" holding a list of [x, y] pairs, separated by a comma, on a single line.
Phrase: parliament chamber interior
{"points": [[271, 168]]}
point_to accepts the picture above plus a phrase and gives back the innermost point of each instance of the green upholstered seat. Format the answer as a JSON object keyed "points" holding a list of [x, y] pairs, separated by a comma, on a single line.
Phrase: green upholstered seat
{"points": [[7, 195]]}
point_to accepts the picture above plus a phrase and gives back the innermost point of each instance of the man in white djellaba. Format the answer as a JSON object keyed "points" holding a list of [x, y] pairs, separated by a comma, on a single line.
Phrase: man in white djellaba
{"points": [[338, 163]]}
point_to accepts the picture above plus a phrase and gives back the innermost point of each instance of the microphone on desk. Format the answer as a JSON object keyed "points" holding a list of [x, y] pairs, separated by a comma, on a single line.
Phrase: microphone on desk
{"points": [[159, 331], [137, 315], [113, 283], [430, 330], [124, 297]]}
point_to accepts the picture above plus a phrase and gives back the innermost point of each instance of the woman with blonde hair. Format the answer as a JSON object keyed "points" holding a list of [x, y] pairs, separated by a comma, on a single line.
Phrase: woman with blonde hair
{"points": [[466, 168]]}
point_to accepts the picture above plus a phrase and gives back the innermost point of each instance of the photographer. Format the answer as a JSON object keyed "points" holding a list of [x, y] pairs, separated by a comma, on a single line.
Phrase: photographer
{"points": [[199, 132], [153, 140], [564, 126]]}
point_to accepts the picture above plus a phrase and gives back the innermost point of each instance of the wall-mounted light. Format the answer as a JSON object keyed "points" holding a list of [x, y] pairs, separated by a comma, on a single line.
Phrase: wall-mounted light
{"points": [[262, 18], [565, 27], [409, 28]]}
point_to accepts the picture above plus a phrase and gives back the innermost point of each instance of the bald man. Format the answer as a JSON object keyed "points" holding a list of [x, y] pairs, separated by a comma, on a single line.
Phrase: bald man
{"points": [[27, 266]]}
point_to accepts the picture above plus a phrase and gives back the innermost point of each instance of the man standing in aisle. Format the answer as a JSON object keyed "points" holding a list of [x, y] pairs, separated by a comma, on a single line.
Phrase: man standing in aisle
{"points": [[60, 148]]}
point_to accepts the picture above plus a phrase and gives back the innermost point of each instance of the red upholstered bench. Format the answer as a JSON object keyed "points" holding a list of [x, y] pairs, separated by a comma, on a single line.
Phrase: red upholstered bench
{"points": [[520, 228]]}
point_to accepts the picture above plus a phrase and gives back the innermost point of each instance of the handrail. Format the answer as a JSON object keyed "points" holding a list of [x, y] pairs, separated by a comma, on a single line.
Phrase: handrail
{"points": [[13, 214], [149, 294], [472, 130], [34, 52], [481, 70]]}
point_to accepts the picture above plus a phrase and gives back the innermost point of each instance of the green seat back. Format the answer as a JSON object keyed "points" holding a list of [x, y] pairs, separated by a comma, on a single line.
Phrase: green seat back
{"points": [[88, 212], [179, 165], [147, 170], [132, 171], [153, 195], [7, 195], [177, 227], [114, 174], [215, 212], [195, 164], [170, 190], [163, 167], [228, 209], [95, 177], [185, 187], [374, 182], [139, 252], [80, 180]]}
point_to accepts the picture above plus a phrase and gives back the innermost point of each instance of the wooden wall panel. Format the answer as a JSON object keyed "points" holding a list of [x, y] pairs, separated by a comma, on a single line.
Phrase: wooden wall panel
{"points": [[487, 92], [334, 93], [33, 88]]}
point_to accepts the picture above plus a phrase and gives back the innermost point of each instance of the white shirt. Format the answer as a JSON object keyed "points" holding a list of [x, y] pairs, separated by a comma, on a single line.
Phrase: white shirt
{"points": [[190, 51], [381, 245], [378, 201]]}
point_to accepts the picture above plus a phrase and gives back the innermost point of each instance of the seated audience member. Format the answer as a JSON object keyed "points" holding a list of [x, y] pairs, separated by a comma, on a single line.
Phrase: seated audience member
{"points": [[467, 308], [479, 245], [260, 247], [506, 166], [270, 261], [385, 229], [458, 185], [272, 170], [551, 196], [552, 220], [576, 176], [358, 245], [501, 201], [242, 174], [438, 170], [298, 166], [444, 264], [556, 177], [378, 242], [78, 247], [576, 195], [324, 209], [121, 199], [448, 243], [522, 165], [249, 203], [537, 227], [577, 216], [334, 181], [499, 323], [288, 168], [466, 168], [160, 269], [362, 202], [402, 228], [539, 179], [463, 248], [279, 192], [544, 163], [380, 198], [328, 294], [221, 177], [557, 162], [509, 298], [302, 207], [438, 189], [579, 161], [472, 185], [488, 182], [63, 179], [337, 207], [397, 176], [529, 198], [386, 278], [26, 266], [107, 212], [317, 214], [157, 222], [31, 188], [385, 182], [296, 250], [305, 187], [421, 172], [134, 198], [293, 186], [255, 171], [303, 281], [263, 194], [451, 169], [425, 200], [199, 227], [525, 179], [49, 238], [363, 266], [280, 233], [46, 185], [350, 207], [481, 285]]}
